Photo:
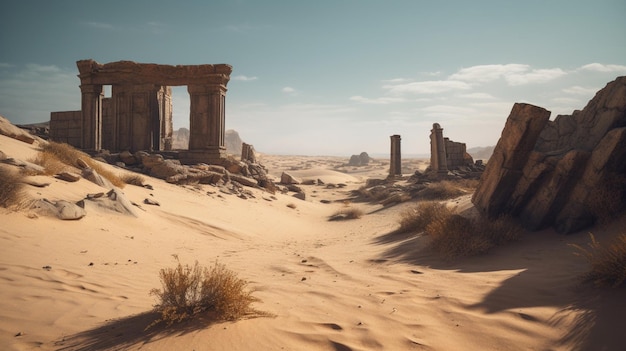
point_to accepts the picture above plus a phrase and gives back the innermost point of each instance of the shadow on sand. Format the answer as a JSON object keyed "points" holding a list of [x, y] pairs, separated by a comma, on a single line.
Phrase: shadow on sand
{"points": [[120, 334], [549, 275]]}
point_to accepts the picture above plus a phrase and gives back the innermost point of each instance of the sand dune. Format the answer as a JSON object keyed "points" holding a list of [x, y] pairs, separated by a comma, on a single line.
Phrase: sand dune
{"points": [[330, 285]]}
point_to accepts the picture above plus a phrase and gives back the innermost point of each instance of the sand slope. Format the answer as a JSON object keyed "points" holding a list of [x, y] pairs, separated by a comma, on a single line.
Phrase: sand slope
{"points": [[332, 285]]}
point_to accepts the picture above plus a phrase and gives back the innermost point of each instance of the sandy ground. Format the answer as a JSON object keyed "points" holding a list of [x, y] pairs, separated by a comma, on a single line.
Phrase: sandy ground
{"points": [[331, 285]]}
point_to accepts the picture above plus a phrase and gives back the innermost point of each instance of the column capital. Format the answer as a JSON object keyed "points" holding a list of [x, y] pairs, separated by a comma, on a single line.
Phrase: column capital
{"points": [[91, 88], [207, 89]]}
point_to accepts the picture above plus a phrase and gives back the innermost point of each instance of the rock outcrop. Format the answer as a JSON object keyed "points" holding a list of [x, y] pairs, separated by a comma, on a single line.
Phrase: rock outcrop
{"points": [[362, 159], [566, 173]]}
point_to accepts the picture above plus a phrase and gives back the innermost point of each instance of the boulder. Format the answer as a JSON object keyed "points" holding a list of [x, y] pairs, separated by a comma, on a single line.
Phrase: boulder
{"points": [[69, 211], [565, 173], [68, 176], [128, 158], [287, 179]]}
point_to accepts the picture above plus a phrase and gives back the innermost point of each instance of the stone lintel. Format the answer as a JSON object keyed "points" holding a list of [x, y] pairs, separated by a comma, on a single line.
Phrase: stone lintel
{"points": [[129, 72]]}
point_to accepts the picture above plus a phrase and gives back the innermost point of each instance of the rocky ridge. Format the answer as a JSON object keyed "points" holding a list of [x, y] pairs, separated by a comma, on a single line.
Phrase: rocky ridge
{"points": [[568, 173]]}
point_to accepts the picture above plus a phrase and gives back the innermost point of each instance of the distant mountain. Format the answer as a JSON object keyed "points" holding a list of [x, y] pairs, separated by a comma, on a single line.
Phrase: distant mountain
{"points": [[232, 141], [481, 153]]}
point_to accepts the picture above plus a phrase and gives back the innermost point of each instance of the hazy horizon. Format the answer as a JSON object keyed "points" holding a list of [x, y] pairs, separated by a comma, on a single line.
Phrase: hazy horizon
{"points": [[329, 77]]}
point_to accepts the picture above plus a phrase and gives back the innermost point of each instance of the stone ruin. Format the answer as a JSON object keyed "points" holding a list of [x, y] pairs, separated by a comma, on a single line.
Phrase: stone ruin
{"points": [[133, 128], [566, 173], [445, 154], [138, 116]]}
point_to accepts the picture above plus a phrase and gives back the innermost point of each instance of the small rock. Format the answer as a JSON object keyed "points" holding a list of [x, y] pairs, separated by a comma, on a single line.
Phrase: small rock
{"points": [[148, 201]]}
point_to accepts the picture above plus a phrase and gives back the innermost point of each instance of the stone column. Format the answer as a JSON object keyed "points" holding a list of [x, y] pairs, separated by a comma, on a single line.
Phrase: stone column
{"points": [[206, 124], [247, 153], [91, 107], [395, 167], [437, 150]]}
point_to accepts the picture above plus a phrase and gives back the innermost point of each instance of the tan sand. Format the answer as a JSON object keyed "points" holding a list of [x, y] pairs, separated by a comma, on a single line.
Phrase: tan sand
{"points": [[332, 285]]}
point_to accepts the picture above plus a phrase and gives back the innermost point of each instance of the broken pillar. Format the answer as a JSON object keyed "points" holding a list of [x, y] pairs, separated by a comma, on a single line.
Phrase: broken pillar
{"points": [[395, 167], [438, 161]]}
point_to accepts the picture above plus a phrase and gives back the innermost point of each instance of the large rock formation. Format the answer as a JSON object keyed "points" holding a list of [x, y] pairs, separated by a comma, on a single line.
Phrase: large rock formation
{"points": [[565, 173]]}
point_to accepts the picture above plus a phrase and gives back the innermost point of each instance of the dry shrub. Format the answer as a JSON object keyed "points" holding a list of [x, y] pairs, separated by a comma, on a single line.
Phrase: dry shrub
{"points": [[442, 190], [347, 213], [54, 155], [416, 219], [608, 263], [133, 179], [11, 189], [190, 291], [453, 235]]}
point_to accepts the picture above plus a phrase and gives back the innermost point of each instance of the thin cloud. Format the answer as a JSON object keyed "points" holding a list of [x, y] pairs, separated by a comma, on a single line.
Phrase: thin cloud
{"points": [[488, 73], [377, 101], [598, 67], [482, 96], [288, 90], [244, 78], [6, 65], [535, 76], [578, 90], [99, 25], [396, 80], [514, 74], [427, 87]]}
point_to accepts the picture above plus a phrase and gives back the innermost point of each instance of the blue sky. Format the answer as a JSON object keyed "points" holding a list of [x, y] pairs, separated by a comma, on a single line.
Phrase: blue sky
{"points": [[328, 77]]}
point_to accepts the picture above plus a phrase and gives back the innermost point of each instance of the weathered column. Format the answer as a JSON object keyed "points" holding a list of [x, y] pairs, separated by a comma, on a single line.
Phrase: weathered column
{"points": [[395, 167], [91, 107], [437, 150], [247, 153], [206, 123]]}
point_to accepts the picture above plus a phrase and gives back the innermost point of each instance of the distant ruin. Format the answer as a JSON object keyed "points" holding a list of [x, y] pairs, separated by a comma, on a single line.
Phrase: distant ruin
{"points": [[446, 154], [138, 116], [395, 166]]}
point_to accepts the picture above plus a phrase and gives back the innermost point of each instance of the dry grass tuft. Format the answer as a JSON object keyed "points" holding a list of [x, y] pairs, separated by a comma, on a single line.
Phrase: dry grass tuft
{"points": [[442, 190], [347, 213], [11, 189], [608, 263], [416, 219], [453, 235], [56, 157], [190, 291], [133, 179]]}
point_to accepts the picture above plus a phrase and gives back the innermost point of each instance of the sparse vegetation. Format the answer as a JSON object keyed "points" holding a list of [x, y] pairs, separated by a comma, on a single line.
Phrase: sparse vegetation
{"points": [[195, 291], [56, 157], [133, 179], [442, 190], [608, 263], [347, 213], [11, 189], [453, 235]]}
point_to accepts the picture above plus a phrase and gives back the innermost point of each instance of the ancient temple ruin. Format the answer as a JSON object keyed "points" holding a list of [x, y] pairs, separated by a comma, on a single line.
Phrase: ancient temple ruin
{"points": [[446, 154], [138, 116]]}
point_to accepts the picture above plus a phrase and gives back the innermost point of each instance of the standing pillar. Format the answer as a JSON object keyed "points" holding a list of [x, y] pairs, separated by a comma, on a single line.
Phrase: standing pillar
{"points": [[438, 161], [206, 124], [395, 167], [91, 107]]}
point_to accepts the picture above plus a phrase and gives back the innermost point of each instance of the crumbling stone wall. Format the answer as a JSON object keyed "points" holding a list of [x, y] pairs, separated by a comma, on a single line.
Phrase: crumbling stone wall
{"points": [[456, 154], [66, 127]]}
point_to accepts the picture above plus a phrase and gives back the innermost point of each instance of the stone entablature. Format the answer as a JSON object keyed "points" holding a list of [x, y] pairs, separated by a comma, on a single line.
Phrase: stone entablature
{"points": [[138, 115]]}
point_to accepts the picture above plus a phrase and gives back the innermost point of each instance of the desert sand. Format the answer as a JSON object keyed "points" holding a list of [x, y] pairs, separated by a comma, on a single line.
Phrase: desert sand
{"points": [[330, 285]]}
